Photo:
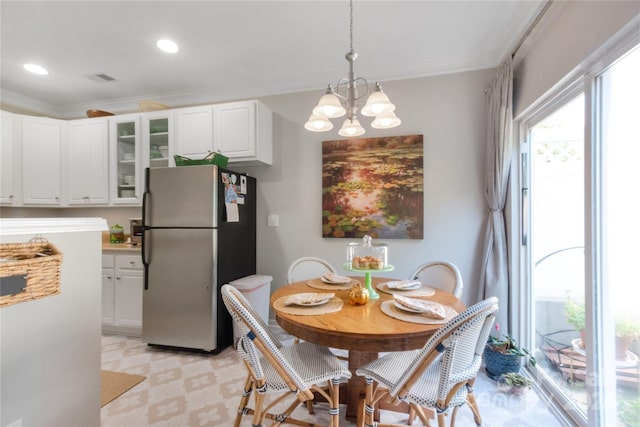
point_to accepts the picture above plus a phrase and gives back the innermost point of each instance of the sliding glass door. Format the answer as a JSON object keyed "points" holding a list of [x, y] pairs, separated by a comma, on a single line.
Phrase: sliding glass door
{"points": [[580, 244], [619, 198]]}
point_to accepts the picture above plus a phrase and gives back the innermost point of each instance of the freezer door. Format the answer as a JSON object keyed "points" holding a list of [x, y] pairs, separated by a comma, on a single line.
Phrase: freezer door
{"points": [[182, 197], [180, 305]]}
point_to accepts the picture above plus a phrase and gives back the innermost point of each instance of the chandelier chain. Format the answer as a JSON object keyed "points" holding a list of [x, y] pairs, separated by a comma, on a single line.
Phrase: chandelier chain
{"points": [[351, 25], [344, 98]]}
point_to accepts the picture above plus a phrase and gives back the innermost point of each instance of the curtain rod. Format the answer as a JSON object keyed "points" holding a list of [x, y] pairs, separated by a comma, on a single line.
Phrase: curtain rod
{"points": [[527, 33], [531, 28]]}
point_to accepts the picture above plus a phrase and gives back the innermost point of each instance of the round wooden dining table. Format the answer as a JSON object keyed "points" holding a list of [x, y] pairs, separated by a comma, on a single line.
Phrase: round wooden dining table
{"points": [[363, 330]]}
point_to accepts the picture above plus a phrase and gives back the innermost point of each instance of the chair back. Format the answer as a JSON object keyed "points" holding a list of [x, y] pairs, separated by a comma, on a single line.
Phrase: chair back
{"points": [[257, 339], [458, 344], [307, 268], [440, 274]]}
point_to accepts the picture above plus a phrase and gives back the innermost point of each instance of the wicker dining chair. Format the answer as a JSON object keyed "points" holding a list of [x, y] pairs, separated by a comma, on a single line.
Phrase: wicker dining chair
{"points": [[440, 274], [308, 267], [292, 374], [439, 376]]}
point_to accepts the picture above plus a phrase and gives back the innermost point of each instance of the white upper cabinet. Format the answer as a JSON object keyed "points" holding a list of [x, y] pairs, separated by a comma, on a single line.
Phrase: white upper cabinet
{"points": [[193, 131], [9, 159], [243, 131], [41, 160], [126, 171], [157, 139], [87, 161]]}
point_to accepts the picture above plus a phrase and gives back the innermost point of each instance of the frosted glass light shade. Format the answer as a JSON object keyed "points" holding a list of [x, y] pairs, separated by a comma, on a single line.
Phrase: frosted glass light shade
{"points": [[318, 123], [351, 128], [329, 106], [386, 121], [378, 103]]}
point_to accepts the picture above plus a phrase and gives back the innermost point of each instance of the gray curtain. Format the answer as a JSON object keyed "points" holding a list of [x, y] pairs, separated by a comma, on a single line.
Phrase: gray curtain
{"points": [[494, 276]]}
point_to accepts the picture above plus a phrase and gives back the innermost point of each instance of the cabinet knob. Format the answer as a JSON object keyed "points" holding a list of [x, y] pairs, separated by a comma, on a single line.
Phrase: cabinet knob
{"points": [[109, 277], [11, 196], [117, 278]]}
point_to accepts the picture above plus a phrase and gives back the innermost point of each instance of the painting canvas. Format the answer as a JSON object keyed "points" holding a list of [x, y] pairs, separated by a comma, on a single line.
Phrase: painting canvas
{"points": [[373, 186]]}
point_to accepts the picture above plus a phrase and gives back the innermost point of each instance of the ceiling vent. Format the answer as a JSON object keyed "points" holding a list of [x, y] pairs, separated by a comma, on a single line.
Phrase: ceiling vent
{"points": [[101, 78]]}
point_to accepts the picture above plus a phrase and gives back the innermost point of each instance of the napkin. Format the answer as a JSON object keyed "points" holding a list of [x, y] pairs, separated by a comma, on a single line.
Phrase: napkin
{"points": [[308, 298], [334, 278], [403, 284], [430, 309]]}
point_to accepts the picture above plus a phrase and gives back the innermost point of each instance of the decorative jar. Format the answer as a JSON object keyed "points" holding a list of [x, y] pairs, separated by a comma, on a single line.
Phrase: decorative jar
{"points": [[358, 295]]}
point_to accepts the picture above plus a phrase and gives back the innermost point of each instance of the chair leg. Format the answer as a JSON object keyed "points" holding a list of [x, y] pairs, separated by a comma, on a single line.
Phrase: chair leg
{"points": [[334, 405], [368, 403], [309, 405], [417, 410], [244, 400], [452, 423], [258, 415], [471, 401]]}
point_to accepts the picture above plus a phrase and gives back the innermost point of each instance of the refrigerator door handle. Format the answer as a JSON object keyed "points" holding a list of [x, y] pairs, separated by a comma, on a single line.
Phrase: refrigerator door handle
{"points": [[145, 261]]}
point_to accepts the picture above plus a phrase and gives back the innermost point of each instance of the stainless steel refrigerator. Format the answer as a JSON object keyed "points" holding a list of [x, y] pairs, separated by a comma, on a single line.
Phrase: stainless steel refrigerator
{"points": [[199, 232]]}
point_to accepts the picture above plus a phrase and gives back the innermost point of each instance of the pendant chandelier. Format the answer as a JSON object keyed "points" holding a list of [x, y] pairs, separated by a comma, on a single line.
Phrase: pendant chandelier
{"points": [[345, 98]]}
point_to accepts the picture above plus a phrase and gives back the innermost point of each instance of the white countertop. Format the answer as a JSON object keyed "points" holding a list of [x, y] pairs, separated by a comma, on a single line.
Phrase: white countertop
{"points": [[19, 226]]}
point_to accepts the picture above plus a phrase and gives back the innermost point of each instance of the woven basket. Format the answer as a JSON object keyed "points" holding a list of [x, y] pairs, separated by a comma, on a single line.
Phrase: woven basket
{"points": [[38, 262], [497, 363]]}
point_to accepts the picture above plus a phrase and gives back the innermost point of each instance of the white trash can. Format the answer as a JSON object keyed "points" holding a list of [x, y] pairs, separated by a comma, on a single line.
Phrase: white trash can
{"points": [[257, 290]]}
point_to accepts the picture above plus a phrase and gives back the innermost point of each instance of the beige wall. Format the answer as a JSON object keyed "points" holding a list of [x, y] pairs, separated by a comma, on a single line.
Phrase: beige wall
{"points": [[569, 32], [449, 111]]}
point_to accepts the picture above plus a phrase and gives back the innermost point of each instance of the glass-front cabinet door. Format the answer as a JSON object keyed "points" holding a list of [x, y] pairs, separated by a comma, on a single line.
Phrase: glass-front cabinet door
{"points": [[126, 185], [156, 139]]}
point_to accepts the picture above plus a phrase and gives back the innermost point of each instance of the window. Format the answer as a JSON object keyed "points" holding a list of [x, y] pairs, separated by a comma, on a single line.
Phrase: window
{"points": [[581, 243]]}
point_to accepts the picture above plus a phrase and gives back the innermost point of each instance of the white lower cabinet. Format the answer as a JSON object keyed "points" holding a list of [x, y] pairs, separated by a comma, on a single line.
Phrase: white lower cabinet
{"points": [[122, 286]]}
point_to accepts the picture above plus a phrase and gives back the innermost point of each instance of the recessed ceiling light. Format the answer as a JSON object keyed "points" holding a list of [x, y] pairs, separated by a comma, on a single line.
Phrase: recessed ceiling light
{"points": [[36, 69], [167, 46]]}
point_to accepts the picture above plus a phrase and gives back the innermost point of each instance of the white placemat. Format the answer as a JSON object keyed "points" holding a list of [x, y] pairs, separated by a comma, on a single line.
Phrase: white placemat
{"points": [[333, 305], [389, 308], [319, 284], [422, 291]]}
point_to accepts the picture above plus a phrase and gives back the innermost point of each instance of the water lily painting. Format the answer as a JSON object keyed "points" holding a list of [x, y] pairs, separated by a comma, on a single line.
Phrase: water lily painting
{"points": [[373, 186]]}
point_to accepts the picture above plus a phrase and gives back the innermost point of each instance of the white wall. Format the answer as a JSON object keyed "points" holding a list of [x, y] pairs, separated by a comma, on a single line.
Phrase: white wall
{"points": [[449, 111], [50, 347], [569, 32]]}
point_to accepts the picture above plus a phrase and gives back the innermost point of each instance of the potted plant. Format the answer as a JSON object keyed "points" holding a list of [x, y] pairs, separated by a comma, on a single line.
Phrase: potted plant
{"points": [[574, 313], [116, 234], [627, 330], [627, 326], [516, 383], [504, 355]]}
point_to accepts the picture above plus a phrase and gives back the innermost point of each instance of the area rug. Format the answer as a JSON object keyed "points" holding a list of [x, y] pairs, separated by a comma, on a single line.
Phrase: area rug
{"points": [[113, 384]]}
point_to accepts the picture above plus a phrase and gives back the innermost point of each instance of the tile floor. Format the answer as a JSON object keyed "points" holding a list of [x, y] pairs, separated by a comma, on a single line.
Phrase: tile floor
{"points": [[192, 389]]}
